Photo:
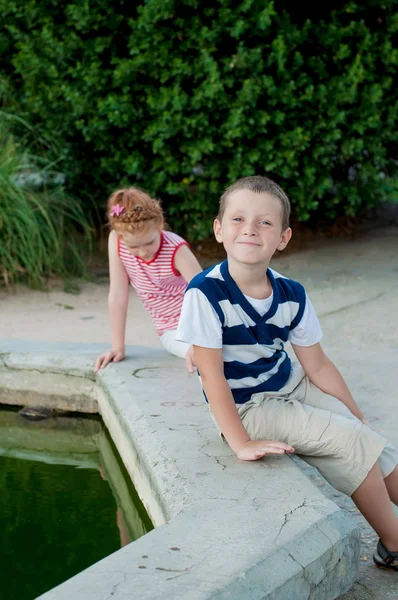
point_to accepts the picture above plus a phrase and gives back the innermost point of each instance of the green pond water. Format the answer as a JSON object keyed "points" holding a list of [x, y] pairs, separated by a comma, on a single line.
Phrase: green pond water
{"points": [[66, 501]]}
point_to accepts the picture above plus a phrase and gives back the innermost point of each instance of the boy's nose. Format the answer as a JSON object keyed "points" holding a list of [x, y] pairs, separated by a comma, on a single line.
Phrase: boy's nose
{"points": [[249, 230]]}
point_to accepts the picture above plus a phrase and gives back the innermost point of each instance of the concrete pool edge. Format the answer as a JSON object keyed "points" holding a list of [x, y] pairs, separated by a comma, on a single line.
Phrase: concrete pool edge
{"points": [[233, 530]]}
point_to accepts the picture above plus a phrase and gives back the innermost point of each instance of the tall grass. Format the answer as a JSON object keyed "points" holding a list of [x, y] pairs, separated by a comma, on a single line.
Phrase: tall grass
{"points": [[43, 231]]}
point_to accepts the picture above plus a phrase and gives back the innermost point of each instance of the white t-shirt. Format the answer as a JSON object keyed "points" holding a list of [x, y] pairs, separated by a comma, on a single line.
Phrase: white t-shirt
{"points": [[200, 325]]}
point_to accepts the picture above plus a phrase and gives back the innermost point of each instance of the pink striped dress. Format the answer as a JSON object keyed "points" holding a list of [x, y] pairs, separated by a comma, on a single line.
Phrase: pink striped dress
{"points": [[160, 287]]}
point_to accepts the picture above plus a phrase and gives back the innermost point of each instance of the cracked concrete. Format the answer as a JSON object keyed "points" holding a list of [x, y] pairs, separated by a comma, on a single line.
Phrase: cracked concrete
{"points": [[286, 518], [352, 305], [218, 461]]}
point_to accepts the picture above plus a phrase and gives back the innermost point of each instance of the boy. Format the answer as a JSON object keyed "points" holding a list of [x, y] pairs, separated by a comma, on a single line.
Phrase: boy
{"points": [[238, 315]]}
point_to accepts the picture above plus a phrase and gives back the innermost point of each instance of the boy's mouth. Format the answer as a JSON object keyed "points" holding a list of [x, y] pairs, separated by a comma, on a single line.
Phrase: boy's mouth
{"points": [[249, 243]]}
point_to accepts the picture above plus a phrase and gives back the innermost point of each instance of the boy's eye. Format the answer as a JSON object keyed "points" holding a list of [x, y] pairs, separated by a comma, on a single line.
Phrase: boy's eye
{"points": [[237, 219], [265, 223]]}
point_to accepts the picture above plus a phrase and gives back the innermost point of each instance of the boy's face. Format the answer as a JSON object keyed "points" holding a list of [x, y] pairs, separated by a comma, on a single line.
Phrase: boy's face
{"points": [[251, 228]]}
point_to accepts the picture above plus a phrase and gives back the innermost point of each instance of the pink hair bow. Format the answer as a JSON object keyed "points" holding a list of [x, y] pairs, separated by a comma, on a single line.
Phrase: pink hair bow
{"points": [[116, 210]]}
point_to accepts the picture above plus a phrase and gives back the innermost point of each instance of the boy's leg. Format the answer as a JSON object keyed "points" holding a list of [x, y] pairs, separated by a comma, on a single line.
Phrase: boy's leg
{"points": [[391, 482], [387, 459], [343, 449], [373, 501]]}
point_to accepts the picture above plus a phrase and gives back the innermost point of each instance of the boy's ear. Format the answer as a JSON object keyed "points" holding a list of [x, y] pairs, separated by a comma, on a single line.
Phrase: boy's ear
{"points": [[285, 239], [217, 230]]}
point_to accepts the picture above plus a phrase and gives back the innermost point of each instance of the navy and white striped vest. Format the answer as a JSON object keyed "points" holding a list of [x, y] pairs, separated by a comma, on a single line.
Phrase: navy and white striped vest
{"points": [[253, 346]]}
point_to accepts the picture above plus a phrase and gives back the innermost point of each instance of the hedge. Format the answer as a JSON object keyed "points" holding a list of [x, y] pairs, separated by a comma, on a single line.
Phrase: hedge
{"points": [[183, 97]]}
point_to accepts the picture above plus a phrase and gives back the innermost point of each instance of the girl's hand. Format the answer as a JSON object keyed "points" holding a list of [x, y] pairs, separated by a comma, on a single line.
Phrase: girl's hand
{"points": [[190, 360], [253, 450], [107, 357]]}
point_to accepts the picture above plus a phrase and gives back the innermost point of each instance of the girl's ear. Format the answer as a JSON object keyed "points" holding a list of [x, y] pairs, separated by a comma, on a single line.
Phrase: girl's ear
{"points": [[217, 230], [285, 239]]}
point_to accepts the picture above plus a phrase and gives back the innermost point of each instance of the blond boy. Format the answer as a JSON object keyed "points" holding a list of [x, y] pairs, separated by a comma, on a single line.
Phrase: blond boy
{"points": [[239, 315]]}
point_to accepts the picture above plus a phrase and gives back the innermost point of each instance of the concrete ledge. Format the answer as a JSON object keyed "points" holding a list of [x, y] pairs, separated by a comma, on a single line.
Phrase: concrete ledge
{"points": [[225, 529]]}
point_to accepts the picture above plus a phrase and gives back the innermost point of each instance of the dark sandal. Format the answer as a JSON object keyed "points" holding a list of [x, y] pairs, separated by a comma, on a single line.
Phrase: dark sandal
{"points": [[384, 558]]}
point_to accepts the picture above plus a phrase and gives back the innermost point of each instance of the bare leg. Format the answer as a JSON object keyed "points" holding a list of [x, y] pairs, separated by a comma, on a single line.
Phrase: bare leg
{"points": [[373, 501], [391, 483]]}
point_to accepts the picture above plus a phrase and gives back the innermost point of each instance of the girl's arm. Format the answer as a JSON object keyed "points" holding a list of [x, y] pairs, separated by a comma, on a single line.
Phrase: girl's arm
{"points": [[325, 375], [186, 263], [118, 294], [117, 303], [211, 367]]}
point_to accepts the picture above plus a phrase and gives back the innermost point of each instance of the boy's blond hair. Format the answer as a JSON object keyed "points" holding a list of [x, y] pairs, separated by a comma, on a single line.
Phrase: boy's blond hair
{"points": [[258, 185]]}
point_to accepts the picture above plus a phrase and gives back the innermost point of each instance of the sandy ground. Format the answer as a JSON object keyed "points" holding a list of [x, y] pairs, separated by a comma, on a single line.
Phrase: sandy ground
{"points": [[354, 288]]}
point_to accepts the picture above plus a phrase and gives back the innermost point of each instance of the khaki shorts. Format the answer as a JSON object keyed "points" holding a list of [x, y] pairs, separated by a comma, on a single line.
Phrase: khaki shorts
{"points": [[322, 430]]}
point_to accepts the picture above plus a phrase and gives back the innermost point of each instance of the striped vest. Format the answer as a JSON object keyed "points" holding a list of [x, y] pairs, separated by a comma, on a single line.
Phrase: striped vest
{"points": [[160, 287], [253, 345]]}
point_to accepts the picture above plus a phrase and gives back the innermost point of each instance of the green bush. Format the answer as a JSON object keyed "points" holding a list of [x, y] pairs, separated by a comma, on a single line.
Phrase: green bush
{"points": [[183, 97], [38, 221]]}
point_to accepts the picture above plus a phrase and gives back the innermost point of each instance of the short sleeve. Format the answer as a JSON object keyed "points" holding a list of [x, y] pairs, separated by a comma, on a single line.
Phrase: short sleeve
{"points": [[199, 323], [308, 332]]}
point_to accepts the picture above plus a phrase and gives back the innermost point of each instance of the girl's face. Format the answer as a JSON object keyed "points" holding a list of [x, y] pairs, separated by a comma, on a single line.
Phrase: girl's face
{"points": [[144, 245]]}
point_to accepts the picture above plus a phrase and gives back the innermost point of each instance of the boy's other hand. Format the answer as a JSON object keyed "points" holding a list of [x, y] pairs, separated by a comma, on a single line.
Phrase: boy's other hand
{"points": [[365, 422], [253, 449], [107, 357], [190, 360]]}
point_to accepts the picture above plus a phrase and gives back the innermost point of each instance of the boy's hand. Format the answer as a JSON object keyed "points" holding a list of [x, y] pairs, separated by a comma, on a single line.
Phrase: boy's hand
{"points": [[365, 422], [190, 360], [107, 357], [253, 450]]}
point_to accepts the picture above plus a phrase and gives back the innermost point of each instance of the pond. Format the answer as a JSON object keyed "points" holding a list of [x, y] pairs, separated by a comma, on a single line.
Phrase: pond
{"points": [[66, 501]]}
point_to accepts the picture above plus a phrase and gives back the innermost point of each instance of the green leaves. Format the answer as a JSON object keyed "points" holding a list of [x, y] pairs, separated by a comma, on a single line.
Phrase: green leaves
{"points": [[184, 97]]}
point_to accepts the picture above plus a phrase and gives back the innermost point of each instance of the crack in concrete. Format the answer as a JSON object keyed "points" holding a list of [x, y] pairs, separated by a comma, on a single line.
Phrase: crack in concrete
{"points": [[323, 533], [244, 492], [287, 515], [172, 570], [333, 560], [327, 567], [220, 463], [46, 371], [311, 585], [296, 561], [115, 587], [188, 569], [224, 499], [211, 456], [347, 306]]}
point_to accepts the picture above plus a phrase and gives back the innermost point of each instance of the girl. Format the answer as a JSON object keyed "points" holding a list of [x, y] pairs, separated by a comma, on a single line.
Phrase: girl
{"points": [[158, 264]]}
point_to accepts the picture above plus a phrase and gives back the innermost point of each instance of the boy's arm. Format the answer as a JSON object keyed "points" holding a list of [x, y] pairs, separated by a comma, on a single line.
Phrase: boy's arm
{"points": [[325, 375], [211, 367], [186, 263]]}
